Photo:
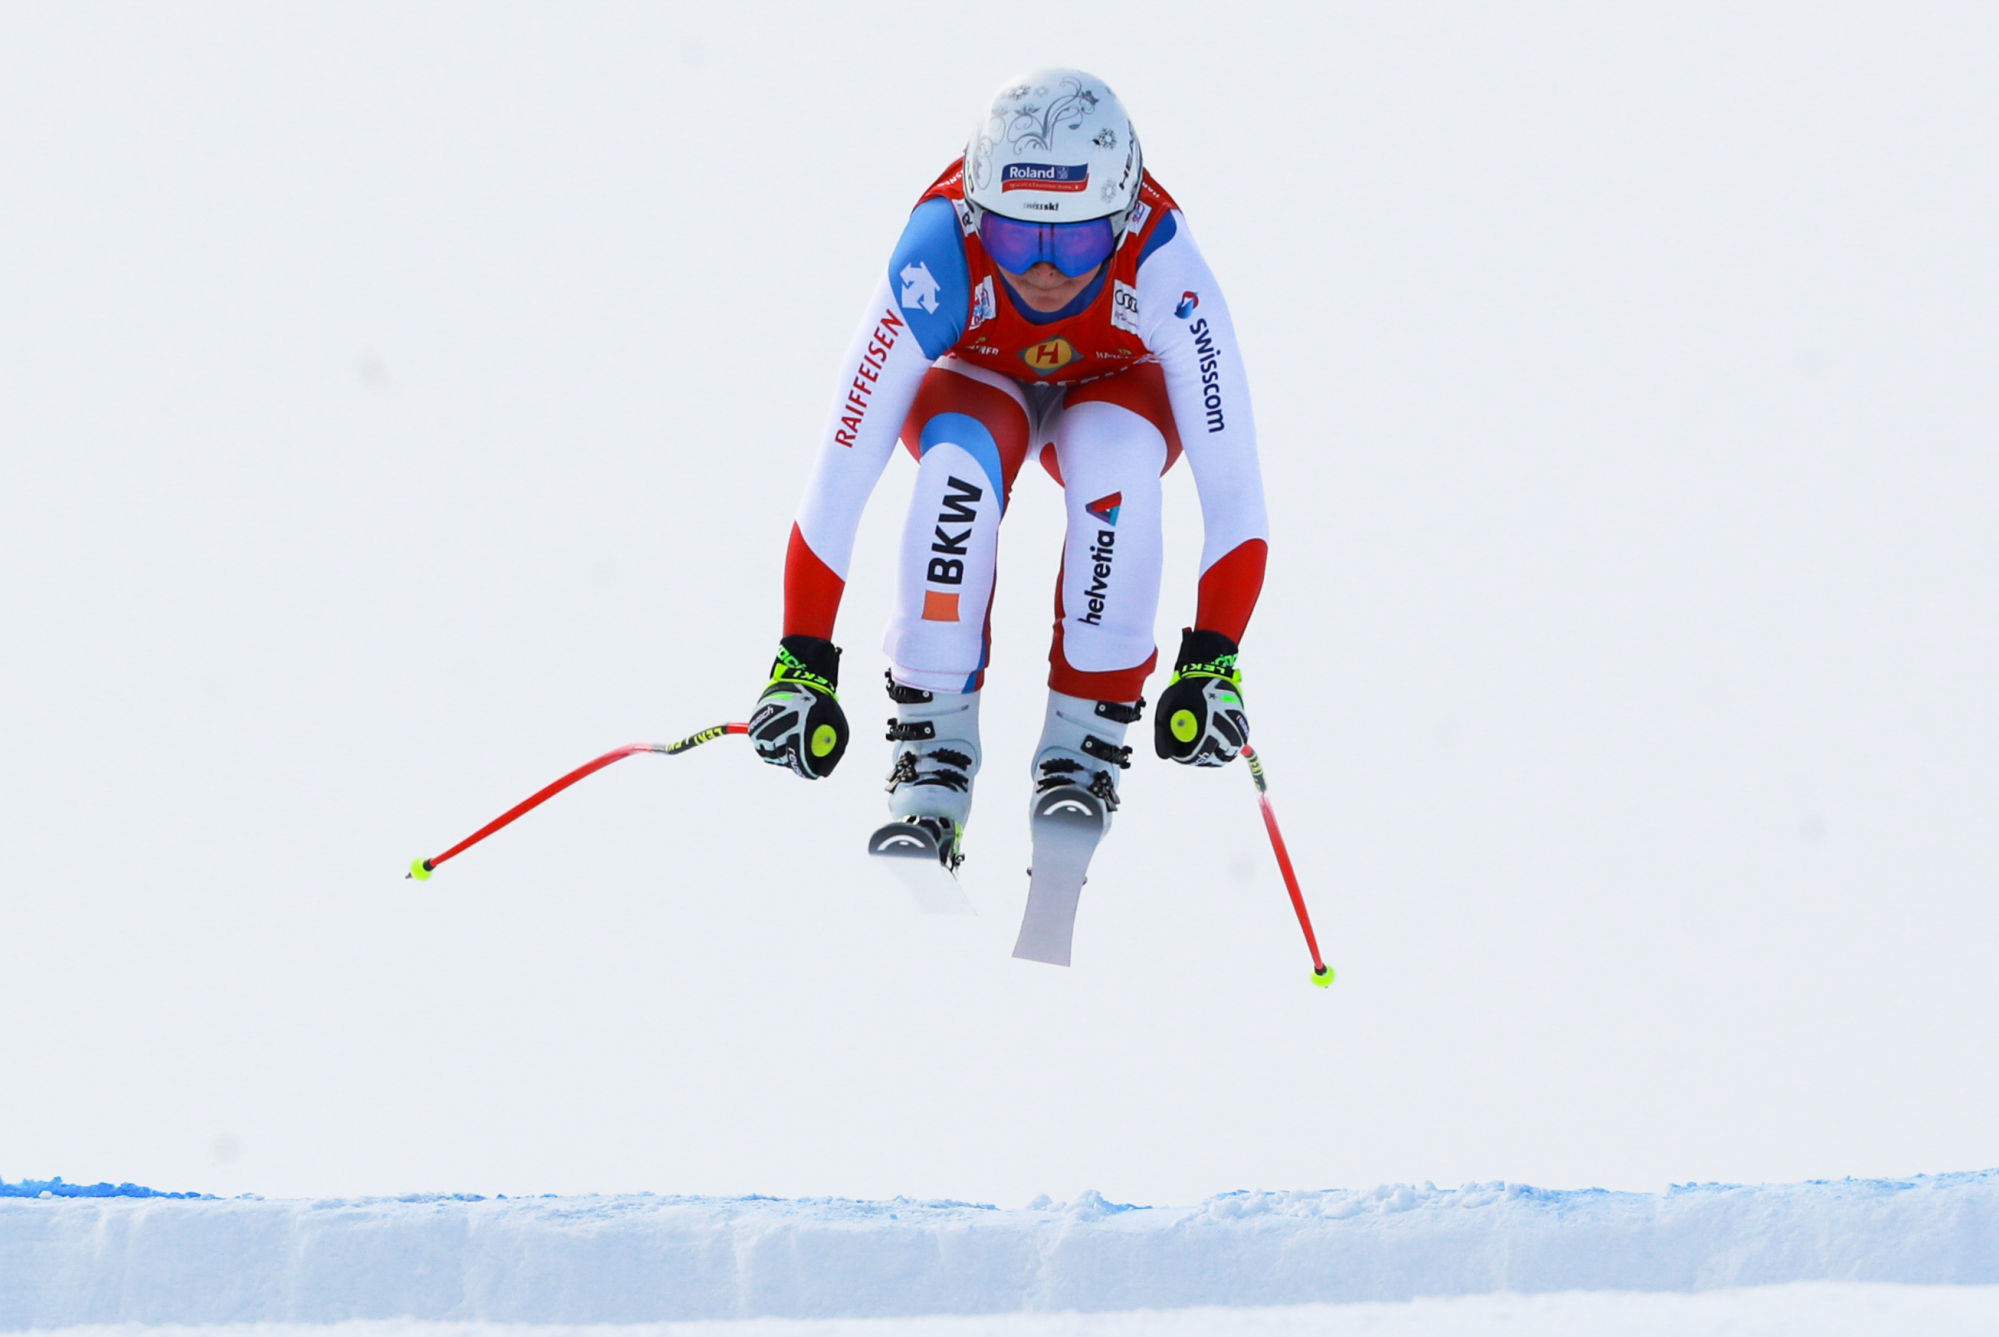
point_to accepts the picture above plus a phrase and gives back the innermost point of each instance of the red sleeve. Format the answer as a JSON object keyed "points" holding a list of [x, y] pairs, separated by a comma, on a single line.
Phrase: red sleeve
{"points": [[1229, 589], [811, 591]]}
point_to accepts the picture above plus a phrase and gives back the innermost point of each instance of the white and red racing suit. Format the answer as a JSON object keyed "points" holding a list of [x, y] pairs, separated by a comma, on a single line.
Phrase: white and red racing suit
{"points": [[1139, 369]]}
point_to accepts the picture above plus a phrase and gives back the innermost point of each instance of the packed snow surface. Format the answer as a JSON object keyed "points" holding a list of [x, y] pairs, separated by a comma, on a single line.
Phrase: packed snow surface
{"points": [[91, 1260], [1823, 1309]]}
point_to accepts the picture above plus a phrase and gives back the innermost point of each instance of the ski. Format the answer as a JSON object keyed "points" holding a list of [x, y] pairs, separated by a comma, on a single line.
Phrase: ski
{"points": [[1068, 821], [915, 853]]}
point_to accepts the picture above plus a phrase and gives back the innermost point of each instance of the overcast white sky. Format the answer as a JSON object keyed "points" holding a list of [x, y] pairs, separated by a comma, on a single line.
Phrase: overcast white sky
{"points": [[400, 404]]}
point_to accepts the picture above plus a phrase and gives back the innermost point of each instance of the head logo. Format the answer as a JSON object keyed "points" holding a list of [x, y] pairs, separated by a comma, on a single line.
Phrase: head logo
{"points": [[1188, 301], [1106, 508], [1053, 355], [1061, 177]]}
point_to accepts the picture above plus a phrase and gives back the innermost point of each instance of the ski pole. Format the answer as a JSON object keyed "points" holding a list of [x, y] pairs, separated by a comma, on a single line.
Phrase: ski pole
{"points": [[1322, 974], [421, 869]]}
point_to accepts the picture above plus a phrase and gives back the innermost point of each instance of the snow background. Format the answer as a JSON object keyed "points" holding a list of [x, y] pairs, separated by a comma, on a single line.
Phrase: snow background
{"points": [[401, 405]]}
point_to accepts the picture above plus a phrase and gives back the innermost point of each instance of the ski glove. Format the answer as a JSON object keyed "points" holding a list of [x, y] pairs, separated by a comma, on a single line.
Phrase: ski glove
{"points": [[798, 721], [1199, 720]]}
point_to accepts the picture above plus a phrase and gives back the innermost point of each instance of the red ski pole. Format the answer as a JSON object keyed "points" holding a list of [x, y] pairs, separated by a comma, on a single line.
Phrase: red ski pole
{"points": [[1322, 974], [422, 868]]}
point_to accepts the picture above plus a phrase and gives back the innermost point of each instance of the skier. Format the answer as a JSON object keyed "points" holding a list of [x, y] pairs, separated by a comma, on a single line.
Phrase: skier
{"points": [[1045, 298]]}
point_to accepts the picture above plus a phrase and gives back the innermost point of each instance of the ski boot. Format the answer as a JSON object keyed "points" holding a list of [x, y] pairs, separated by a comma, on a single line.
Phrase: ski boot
{"points": [[936, 759], [1075, 792]]}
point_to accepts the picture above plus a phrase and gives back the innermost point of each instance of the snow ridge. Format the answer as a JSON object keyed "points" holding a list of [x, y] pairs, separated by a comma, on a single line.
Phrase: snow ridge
{"points": [[628, 1259], [55, 1188]]}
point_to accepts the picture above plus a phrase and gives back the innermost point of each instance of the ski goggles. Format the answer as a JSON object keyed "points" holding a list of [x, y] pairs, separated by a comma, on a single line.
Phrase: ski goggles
{"points": [[1017, 245]]}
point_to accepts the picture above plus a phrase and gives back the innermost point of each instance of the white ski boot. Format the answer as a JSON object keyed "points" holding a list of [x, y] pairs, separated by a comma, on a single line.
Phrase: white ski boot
{"points": [[935, 761], [1075, 792]]}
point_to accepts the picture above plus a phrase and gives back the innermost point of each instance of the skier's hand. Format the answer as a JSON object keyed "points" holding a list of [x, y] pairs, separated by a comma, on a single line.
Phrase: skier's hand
{"points": [[1200, 720], [798, 721]]}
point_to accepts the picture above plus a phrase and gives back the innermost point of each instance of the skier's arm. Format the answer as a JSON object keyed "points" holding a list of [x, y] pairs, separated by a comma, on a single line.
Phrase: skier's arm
{"points": [[919, 310], [1185, 322]]}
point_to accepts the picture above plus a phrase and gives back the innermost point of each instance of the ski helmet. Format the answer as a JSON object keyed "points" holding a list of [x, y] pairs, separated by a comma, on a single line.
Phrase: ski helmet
{"points": [[1054, 147]]}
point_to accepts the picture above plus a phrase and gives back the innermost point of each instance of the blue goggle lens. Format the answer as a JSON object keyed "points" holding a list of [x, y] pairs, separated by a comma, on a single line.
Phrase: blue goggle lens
{"points": [[1017, 245]]}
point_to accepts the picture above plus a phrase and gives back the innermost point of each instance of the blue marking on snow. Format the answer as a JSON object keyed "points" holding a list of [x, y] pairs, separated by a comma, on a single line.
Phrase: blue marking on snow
{"points": [[56, 1188]]}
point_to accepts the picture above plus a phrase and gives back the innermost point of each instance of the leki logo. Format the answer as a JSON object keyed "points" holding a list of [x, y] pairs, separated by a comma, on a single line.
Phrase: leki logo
{"points": [[1069, 179], [1106, 508], [1188, 301], [1053, 355]]}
